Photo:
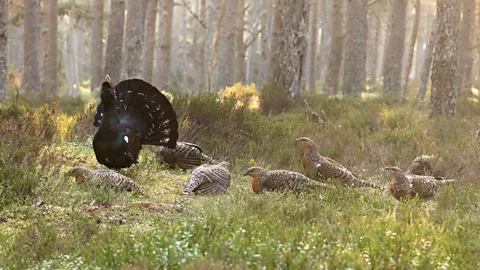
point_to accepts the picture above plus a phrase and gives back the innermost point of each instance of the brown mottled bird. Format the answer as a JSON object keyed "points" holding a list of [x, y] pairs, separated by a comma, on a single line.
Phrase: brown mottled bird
{"points": [[319, 167], [426, 165], [263, 179], [184, 156], [106, 179], [209, 179], [407, 186]]}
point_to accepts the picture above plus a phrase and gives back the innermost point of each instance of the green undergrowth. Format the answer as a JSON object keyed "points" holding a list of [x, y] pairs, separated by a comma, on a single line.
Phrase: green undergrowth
{"points": [[45, 222]]}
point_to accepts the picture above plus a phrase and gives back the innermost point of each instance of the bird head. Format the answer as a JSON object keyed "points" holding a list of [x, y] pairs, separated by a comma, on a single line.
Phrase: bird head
{"points": [[393, 170], [78, 173], [108, 89], [254, 172], [305, 142]]}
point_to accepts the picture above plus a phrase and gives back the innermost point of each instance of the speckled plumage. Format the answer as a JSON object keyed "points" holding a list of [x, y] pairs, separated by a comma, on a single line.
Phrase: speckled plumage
{"points": [[426, 165], [209, 180], [407, 186], [184, 156], [263, 179], [106, 179], [322, 168]]}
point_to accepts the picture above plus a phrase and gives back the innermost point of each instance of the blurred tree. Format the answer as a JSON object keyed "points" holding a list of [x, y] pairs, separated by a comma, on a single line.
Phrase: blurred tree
{"points": [[148, 50], [51, 75], [445, 59], [240, 43], [165, 41], [275, 39], [31, 41], [133, 42], [411, 48], [392, 71], [225, 62], [289, 62], [354, 72], [113, 61], [312, 45], [97, 45], [427, 63], [463, 50], [332, 73], [3, 50]]}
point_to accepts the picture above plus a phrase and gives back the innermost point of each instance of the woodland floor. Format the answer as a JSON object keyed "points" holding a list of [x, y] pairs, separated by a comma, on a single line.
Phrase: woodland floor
{"points": [[333, 229]]}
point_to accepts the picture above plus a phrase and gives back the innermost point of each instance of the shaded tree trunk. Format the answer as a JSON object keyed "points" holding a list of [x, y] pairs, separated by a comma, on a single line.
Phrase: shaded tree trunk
{"points": [[392, 71], [97, 45], [133, 43], [148, 50], [325, 40], [43, 7], [3, 50], [239, 43], [312, 46], [372, 48], [275, 38], [254, 17], [202, 56], [464, 42], [427, 63], [165, 42], [355, 63], [226, 46], [411, 48], [31, 60], [113, 63], [289, 63], [468, 81], [51, 75], [443, 99], [332, 74], [266, 34]]}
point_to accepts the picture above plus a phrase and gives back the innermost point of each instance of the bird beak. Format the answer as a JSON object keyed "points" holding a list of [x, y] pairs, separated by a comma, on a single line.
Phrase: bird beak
{"points": [[245, 174]]}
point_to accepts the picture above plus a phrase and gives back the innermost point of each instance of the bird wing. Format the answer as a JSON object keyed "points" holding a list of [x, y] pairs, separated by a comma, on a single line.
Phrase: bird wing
{"points": [[208, 178]]}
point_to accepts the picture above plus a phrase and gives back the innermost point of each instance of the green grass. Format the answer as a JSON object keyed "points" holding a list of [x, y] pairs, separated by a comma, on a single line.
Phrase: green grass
{"points": [[334, 229]]}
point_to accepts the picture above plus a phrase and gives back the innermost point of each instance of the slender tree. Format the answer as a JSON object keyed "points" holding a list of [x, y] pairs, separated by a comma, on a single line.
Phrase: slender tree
{"points": [[470, 57], [464, 42], [332, 74], [312, 46], [445, 60], [3, 50], [354, 72], [97, 44], [113, 63], [427, 63], [165, 42], [411, 48], [289, 63], [148, 50], [51, 75], [240, 43], [226, 46], [133, 44], [275, 38], [392, 71], [31, 42]]}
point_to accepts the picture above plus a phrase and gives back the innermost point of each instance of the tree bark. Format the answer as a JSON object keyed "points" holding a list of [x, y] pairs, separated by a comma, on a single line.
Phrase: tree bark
{"points": [[468, 81], [372, 48], [3, 50], [148, 50], [31, 60], [392, 71], [43, 7], [355, 63], [275, 38], [113, 65], [239, 43], [226, 46], [325, 40], [427, 63], [97, 45], [289, 63], [411, 49], [202, 56], [133, 43], [464, 42], [51, 75], [332, 74], [312, 46], [265, 74], [165, 42], [443, 99]]}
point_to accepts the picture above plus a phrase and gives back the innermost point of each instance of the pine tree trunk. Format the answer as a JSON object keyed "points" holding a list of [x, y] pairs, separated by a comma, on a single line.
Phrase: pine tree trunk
{"points": [[443, 99], [254, 27], [113, 63], [289, 63], [427, 63], [355, 63], [372, 48], [392, 71], [332, 73], [165, 42], [266, 34], [239, 43], [312, 47], [3, 50], [275, 39], [133, 43], [43, 7], [31, 59], [325, 40], [226, 46], [51, 75], [464, 42], [148, 55], [468, 81], [97, 45], [202, 56], [411, 49]]}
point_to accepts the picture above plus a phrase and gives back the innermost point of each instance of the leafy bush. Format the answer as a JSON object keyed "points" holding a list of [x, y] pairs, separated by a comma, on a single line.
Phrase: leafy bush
{"points": [[244, 95]]}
